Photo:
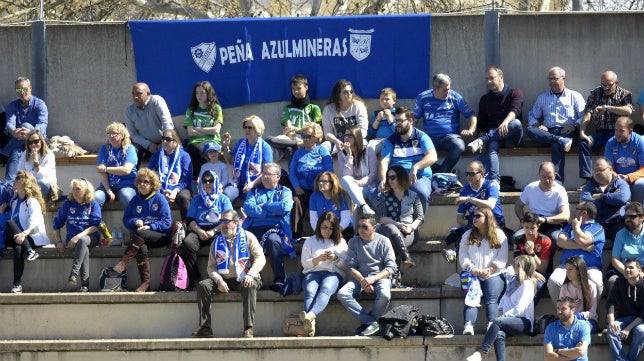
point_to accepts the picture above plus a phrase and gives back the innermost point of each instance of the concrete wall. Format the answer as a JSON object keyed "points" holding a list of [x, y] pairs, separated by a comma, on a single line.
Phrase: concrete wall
{"points": [[91, 67]]}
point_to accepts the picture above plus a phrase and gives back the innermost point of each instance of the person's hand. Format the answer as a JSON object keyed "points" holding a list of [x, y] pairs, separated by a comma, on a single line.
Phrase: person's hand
{"points": [[225, 140], [347, 148], [466, 133], [387, 114], [246, 188], [587, 139], [110, 195], [461, 200], [406, 229], [543, 127], [170, 195], [153, 148], [503, 129], [624, 334], [539, 277], [299, 191], [222, 286], [340, 145], [138, 224], [614, 328], [19, 237], [529, 247], [413, 175], [599, 109], [60, 247], [72, 242], [203, 235], [248, 281], [576, 222], [381, 187]]}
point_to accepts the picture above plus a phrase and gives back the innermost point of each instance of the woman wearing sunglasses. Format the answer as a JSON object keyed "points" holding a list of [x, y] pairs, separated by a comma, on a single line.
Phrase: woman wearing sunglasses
{"points": [[358, 168], [148, 219], [329, 196], [343, 109], [248, 157], [484, 252], [174, 167], [40, 161], [116, 165], [203, 218], [401, 213]]}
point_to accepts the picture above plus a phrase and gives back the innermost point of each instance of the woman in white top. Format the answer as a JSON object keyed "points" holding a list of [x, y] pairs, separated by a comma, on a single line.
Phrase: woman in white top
{"points": [[343, 109], [358, 168], [484, 251], [26, 228], [41, 162], [516, 310], [323, 257]]}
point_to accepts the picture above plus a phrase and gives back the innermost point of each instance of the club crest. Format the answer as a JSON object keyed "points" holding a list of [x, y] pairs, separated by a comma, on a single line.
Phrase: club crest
{"points": [[204, 55], [360, 43]]}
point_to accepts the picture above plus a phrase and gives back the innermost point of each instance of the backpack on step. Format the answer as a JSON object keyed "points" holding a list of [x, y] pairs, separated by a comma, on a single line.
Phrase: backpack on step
{"points": [[174, 274], [112, 281]]}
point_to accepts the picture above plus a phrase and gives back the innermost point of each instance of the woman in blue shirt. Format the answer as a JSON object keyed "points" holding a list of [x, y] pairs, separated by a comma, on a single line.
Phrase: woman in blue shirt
{"points": [[330, 197], [81, 214], [116, 165]]}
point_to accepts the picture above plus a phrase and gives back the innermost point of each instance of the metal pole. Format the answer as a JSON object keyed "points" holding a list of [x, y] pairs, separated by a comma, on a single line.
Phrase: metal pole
{"points": [[492, 38], [39, 59]]}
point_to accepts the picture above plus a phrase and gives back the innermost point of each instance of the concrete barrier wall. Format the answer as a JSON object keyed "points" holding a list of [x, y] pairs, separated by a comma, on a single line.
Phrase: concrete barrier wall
{"points": [[90, 68]]}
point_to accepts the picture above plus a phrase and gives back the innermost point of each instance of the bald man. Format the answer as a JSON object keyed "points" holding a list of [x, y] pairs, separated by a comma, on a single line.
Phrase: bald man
{"points": [[146, 120]]}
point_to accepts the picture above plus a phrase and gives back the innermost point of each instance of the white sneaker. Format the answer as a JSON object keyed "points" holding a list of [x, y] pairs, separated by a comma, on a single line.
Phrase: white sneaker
{"points": [[468, 329], [476, 356], [33, 255], [16, 289], [566, 143], [475, 146]]}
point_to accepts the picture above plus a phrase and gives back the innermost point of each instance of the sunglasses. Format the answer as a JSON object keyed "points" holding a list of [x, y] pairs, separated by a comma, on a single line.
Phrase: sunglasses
{"points": [[167, 139], [632, 216], [207, 181], [364, 226], [477, 216], [307, 136], [348, 135], [226, 221], [144, 181], [326, 228], [472, 174], [34, 142], [392, 177], [347, 92], [21, 90], [19, 178], [247, 127]]}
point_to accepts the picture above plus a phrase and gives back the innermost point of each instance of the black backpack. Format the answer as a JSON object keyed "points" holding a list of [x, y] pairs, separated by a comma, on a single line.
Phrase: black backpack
{"points": [[399, 321]]}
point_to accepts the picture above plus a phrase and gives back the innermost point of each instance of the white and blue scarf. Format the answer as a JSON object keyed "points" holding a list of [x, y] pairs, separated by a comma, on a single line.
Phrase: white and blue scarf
{"points": [[170, 169], [212, 200], [254, 168], [241, 259]]}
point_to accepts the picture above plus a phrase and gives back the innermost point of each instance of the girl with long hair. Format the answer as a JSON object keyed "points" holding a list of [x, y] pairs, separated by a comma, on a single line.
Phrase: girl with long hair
{"points": [[357, 167], [41, 162], [577, 287], [343, 109], [484, 252], [329, 196]]}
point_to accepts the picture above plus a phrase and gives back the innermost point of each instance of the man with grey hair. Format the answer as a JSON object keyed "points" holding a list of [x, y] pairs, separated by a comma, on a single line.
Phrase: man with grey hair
{"points": [[555, 118], [604, 105], [23, 115], [147, 118], [441, 109]]}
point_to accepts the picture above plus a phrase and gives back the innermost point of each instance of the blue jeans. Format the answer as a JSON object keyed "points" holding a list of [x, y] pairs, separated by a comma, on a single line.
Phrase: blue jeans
{"points": [[124, 195], [492, 289], [422, 186], [585, 158], [494, 141], [552, 137], [45, 188], [13, 150], [637, 340], [274, 252], [454, 145], [318, 287], [637, 190], [501, 328], [346, 295]]}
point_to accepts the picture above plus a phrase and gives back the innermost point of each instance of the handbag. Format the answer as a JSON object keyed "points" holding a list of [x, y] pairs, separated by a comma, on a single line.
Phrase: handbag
{"points": [[293, 327]]}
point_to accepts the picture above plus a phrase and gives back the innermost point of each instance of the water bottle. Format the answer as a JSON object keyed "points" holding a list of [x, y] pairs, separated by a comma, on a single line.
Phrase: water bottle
{"points": [[118, 237]]}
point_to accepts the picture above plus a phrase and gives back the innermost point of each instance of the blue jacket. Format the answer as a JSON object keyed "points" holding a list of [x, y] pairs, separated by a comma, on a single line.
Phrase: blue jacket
{"points": [[154, 211], [269, 208]]}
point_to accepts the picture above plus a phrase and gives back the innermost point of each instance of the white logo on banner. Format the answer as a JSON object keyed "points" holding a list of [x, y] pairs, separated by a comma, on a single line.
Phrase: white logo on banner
{"points": [[204, 55], [360, 43]]}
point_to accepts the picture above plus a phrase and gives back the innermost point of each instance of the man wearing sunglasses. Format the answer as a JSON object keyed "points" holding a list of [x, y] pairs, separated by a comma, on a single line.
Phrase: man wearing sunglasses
{"points": [[147, 118], [23, 115], [581, 237], [604, 104]]}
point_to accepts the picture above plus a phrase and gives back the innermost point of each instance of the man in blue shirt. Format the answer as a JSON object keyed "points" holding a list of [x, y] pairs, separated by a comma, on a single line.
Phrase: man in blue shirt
{"points": [[625, 151], [23, 115], [441, 109], [268, 209], [581, 237], [555, 118], [412, 149], [567, 338]]}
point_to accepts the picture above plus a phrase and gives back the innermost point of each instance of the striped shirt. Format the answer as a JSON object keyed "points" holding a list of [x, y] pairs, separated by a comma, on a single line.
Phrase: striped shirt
{"points": [[598, 98], [557, 111]]}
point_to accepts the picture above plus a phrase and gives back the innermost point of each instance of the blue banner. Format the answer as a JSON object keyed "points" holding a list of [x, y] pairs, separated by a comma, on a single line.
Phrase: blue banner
{"points": [[252, 60]]}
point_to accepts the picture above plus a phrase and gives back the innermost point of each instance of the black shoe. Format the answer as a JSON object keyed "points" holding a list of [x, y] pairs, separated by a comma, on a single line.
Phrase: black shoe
{"points": [[203, 332]]}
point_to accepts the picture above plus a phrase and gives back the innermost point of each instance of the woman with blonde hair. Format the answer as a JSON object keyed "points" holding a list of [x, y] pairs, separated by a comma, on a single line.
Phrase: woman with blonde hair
{"points": [[148, 219], [484, 252], [81, 216], [26, 228], [116, 166], [516, 310], [40, 161], [248, 157], [328, 195]]}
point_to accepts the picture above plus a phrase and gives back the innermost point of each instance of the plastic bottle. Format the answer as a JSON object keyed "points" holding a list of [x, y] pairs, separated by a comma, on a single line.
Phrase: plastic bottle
{"points": [[118, 237], [106, 236]]}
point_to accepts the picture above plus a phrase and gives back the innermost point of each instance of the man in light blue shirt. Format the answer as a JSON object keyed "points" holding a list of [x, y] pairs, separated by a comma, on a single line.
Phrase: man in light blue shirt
{"points": [[567, 338], [555, 117]]}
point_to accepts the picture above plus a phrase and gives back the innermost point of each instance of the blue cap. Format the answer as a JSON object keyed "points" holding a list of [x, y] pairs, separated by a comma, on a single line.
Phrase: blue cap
{"points": [[211, 146]]}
